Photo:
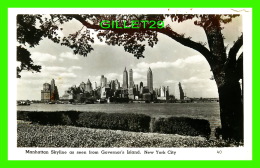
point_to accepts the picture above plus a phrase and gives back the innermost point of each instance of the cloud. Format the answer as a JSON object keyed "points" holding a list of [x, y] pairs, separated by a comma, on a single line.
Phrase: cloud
{"points": [[68, 75], [69, 55], [170, 82], [204, 87], [195, 80], [42, 57], [54, 69], [72, 68], [179, 63], [113, 76], [139, 76]]}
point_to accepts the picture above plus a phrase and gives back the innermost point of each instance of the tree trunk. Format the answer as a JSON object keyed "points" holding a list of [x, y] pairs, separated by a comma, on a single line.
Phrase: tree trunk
{"points": [[231, 110], [224, 69]]}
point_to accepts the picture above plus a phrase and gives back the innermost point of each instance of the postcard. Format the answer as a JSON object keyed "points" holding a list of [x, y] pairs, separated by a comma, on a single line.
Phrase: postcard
{"points": [[130, 84]]}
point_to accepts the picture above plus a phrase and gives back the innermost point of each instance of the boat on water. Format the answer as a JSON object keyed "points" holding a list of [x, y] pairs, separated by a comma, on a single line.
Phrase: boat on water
{"points": [[23, 103], [51, 103]]}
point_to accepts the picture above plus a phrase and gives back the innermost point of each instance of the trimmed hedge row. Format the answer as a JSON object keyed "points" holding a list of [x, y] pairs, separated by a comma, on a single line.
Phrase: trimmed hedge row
{"points": [[114, 121], [49, 118], [182, 126], [120, 121]]}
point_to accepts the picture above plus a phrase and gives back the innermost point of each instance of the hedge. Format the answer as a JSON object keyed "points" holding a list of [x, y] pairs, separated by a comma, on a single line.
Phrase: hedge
{"points": [[49, 118], [182, 126], [121, 121], [115, 121]]}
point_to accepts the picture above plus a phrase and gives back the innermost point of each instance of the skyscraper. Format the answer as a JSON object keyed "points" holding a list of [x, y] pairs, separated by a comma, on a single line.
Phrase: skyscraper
{"points": [[52, 87], [103, 81], [179, 94], [150, 80], [89, 86], [95, 86], [125, 79], [82, 86], [141, 84], [117, 84], [113, 85], [131, 81], [49, 92]]}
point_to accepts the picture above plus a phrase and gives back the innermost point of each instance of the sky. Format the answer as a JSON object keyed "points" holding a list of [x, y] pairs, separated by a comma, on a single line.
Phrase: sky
{"points": [[170, 62]]}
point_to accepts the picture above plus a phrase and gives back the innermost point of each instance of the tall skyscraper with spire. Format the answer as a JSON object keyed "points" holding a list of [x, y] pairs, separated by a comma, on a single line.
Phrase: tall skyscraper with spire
{"points": [[150, 80], [125, 79], [131, 81]]}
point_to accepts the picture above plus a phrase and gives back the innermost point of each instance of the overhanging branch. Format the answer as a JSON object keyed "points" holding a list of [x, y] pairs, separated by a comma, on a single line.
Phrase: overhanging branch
{"points": [[166, 31]]}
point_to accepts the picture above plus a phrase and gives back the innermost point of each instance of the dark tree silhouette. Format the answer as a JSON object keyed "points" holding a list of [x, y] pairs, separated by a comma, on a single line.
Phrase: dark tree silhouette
{"points": [[227, 67]]}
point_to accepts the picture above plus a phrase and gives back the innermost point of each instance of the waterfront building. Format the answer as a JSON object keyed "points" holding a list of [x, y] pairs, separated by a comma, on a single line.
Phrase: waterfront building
{"points": [[179, 93], [141, 89], [147, 97], [131, 81], [141, 84], [113, 85], [68, 95], [131, 91], [88, 87], [117, 84], [82, 87], [162, 93], [54, 91], [125, 79], [46, 92], [49, 92], [136, 86], [52, 86], [150, 80], [103, 81], [145, 90], [95, 86], [104, 92]]}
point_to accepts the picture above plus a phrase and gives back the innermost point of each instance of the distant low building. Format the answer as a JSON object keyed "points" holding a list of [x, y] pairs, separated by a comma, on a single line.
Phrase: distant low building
{"points": [[147, 97], [162, 93], [46, 92]]}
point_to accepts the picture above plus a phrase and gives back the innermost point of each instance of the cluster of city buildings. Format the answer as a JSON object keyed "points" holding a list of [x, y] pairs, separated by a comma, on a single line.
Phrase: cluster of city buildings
{"points": [[113, 91], [49, 93]]}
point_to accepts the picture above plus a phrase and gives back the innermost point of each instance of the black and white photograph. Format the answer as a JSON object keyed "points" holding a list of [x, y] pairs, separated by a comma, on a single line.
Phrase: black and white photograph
{"points": [[129, 82]]}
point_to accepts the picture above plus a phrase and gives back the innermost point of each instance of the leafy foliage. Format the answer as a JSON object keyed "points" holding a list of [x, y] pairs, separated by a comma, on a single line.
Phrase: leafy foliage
{"points": [[33, 28], [23, 56]]}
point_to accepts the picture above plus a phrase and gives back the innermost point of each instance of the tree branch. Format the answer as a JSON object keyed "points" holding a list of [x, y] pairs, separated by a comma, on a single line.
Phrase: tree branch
{"points": [[233, 50], [166, 31], [239, 67], [187, 42]]}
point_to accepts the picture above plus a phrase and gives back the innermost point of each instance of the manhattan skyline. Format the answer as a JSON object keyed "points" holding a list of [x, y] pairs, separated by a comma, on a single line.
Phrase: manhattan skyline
{"points": [[169, 64]]}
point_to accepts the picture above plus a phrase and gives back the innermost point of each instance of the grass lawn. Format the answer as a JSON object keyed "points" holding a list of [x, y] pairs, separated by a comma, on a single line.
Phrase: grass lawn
{"points": [[33, 135]]}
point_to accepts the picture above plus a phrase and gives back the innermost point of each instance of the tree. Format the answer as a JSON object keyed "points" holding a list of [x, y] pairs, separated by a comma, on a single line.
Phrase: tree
{"points": [[227, 67]]}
